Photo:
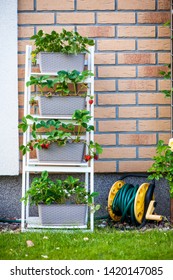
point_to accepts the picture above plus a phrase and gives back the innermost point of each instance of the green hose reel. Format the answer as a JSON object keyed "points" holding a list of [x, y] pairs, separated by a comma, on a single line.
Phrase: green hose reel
{"points": [[132, 203]]}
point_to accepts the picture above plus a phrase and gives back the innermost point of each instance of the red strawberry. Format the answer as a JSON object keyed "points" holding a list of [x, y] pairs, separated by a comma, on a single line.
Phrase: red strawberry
{"points": [[96, 157], [91, 101], [31, 148], [46, 146], [87, 157], [43, 146]]}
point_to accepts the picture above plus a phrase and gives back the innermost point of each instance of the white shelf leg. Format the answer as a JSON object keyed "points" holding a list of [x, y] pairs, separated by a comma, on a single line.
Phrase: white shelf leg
{"points": [[23, 205], [91, 190]]}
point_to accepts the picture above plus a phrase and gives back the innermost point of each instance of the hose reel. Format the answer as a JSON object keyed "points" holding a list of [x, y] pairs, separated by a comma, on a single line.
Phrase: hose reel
{"points": [[134, 204]]}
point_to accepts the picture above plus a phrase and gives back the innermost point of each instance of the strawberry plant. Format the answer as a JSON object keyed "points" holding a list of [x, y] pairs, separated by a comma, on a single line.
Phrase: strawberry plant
{"points": [[61, 84], [163, 164], [46, 191], [60, 133], [67, 42]]}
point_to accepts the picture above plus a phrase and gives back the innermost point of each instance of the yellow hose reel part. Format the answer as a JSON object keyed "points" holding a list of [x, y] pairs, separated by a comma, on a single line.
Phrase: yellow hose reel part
{"points": [[112, 193], [139, 202]]}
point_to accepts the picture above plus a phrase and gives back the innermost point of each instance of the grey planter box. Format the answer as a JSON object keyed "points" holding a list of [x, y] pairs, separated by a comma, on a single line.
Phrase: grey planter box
{"points": [[71, 152], [63, 214], [54, 62], [60, 105]]}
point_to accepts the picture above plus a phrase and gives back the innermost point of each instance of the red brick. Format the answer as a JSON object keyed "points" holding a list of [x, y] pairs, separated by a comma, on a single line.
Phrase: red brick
{"points": [[164, 4], [154, 125], [23, 43], [96, 31], [116, 45], [113, 17], [150, 71], [118, 153], [105, 139], [25, 5], [116, 71], [36, 18], [21, 73], [147, 152], [164, 111], [136, 31], [73, 18], [21, 59], [164, 58], [137, 112], [26, 31], [117, 99], [153, 17], [164, 31], [136, 58], [104, 166], [164, 85], [137, 139], [104, 58], [95, 5], [104, 85], [134, 166], [21, 99], [135, 85], [165, 137], [55, 5], [136, 5], [102, 112], [118, 125], [153, 98], [155, 45]]}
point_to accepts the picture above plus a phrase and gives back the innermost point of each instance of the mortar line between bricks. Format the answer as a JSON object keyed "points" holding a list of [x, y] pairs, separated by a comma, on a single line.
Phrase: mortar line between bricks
{"points": [[35, 5], [75, 5], [115, 5]]}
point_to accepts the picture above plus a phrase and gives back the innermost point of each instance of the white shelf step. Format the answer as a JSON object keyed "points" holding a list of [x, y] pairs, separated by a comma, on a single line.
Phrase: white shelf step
{"points": [[50, 117], [58, 169], [34, 222], [65, 163]]}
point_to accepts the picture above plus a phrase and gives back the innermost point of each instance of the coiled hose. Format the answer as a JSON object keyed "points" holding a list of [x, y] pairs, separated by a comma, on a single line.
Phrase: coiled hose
{"points": [[123, 203]]}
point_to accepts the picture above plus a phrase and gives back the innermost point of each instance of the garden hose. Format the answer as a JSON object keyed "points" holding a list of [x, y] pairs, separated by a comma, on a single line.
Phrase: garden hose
{"points": [[123, 203], [134, 204], [10, 221]]}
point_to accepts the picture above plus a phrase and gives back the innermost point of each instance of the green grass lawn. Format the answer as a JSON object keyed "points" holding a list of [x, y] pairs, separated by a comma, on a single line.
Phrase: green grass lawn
{"points": [[102, 244]]}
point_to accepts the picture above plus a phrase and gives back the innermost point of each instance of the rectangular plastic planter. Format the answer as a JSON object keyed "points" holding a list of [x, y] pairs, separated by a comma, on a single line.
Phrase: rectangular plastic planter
{"points": [[71, 152], [60, 105], [54, 62], [63, 214]]}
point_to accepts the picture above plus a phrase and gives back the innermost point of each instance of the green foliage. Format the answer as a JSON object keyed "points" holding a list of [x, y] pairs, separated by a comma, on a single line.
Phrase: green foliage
{"points": [[41, 82], [67, 42], [167, 74], [44, 190], [102, 244], [75, 77], [167, 24], [58, 132], [61, 84], [163, 165]]}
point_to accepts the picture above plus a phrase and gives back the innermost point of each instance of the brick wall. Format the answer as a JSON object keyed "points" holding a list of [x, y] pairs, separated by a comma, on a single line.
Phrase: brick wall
{"points": [[132, 45]]}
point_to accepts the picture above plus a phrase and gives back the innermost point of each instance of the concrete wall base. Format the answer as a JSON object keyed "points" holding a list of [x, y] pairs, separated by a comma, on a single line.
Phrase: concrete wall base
{"points": [[11, 190]]}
